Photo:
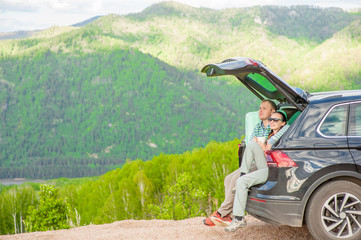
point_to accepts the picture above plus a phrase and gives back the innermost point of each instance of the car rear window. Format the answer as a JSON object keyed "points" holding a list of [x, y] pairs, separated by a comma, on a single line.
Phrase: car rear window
{"points": [[263, 81], [335, 122]]}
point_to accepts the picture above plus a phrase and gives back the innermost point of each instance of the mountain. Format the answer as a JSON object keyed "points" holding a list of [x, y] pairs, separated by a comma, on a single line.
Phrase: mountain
{"points": [[89, 112], [336, 62], [188, 38], [300, 22], [80, 100], [208, 35]]}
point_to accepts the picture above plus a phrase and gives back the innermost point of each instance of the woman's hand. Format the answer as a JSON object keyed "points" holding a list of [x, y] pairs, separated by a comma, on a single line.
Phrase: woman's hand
{"points": [[268, 147]]}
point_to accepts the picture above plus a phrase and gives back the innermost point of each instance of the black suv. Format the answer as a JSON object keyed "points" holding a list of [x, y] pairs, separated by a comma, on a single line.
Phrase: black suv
{"points": [[315, 168]]}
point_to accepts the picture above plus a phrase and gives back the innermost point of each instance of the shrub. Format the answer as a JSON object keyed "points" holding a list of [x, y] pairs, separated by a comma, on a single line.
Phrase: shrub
{"points": [[51, 214]]}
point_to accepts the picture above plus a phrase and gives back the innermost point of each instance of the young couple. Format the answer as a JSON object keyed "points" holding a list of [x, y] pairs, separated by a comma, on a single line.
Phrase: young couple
{"points": [[271, 126]]}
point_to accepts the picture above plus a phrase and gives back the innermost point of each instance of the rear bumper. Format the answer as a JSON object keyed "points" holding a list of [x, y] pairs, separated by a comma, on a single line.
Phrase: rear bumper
{"points": [[276, 211]]}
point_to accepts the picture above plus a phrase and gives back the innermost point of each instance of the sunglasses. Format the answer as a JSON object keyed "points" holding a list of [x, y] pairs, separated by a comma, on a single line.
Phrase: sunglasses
{"points": [[274, 120]]}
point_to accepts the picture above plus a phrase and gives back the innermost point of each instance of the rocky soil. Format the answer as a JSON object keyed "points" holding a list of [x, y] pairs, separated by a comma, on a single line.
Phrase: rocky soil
{"points": [[187, 229]]}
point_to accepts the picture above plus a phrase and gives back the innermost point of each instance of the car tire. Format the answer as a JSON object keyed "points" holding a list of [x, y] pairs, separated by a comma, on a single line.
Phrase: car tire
{"points": [[334, 211]]}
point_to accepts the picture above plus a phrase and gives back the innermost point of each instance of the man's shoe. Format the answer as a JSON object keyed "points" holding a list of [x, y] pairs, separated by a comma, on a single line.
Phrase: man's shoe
{"points": [[221, 221], [235, 225], [208, 222]]}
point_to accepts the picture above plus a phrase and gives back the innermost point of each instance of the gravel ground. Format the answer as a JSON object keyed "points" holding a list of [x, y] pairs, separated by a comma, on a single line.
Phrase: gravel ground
{"points": [[187, 229]]}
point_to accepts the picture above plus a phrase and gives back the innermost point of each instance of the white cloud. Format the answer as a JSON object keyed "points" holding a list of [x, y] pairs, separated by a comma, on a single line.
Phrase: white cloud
{"points": [[74, 6], [95, 6], [17, 6], [57, 5]]}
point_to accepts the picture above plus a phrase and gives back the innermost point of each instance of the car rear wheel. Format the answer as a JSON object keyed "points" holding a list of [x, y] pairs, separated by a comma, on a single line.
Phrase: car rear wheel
{"points": [[334, 211]]}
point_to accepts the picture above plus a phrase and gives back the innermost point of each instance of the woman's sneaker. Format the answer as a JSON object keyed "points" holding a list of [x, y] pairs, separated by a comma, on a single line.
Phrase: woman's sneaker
{"points": [[221, 221], [208, 222], [235, 225]]}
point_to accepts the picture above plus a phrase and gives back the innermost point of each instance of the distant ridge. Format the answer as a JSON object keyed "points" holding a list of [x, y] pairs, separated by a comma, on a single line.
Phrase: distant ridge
{"points": [[25, 34], [17, 34], [83, 23]]}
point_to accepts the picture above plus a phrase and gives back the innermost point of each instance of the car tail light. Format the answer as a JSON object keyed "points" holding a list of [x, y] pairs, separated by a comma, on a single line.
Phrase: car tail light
{"points": [[253, 62], [277, 158], [258, 200]]}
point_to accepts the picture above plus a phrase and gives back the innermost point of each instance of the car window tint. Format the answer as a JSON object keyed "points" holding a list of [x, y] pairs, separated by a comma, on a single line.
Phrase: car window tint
{"points": [[335, 122], [355, 120], [263, 81]]}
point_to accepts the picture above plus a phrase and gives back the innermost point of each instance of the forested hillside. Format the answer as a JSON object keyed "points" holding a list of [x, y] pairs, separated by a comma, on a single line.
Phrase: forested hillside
{"points": [[86, 114], [305, 23], [80, 101]]}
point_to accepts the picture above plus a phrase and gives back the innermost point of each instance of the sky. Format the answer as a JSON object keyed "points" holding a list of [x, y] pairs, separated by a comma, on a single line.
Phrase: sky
{"points": [[20, 15]]}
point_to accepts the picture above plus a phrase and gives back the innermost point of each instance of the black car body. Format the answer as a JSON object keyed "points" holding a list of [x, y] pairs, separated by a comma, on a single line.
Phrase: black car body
{"points": [[315, 168]]}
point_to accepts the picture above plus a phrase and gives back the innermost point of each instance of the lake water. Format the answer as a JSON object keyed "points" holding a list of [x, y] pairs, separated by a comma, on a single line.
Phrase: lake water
{"points": [[18, 181]]}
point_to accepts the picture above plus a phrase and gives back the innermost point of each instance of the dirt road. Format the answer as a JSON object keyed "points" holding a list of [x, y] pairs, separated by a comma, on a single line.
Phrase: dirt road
{"points": [[187, 229]]}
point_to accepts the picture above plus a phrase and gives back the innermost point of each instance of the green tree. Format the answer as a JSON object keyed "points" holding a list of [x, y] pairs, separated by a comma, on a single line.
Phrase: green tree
{"points": [[183, 200], [14, 203], [51, 214]]}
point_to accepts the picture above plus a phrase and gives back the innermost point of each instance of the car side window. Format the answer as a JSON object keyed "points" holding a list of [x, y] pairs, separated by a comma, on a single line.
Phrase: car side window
{"points": [[335, 122], [355, 120]]}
